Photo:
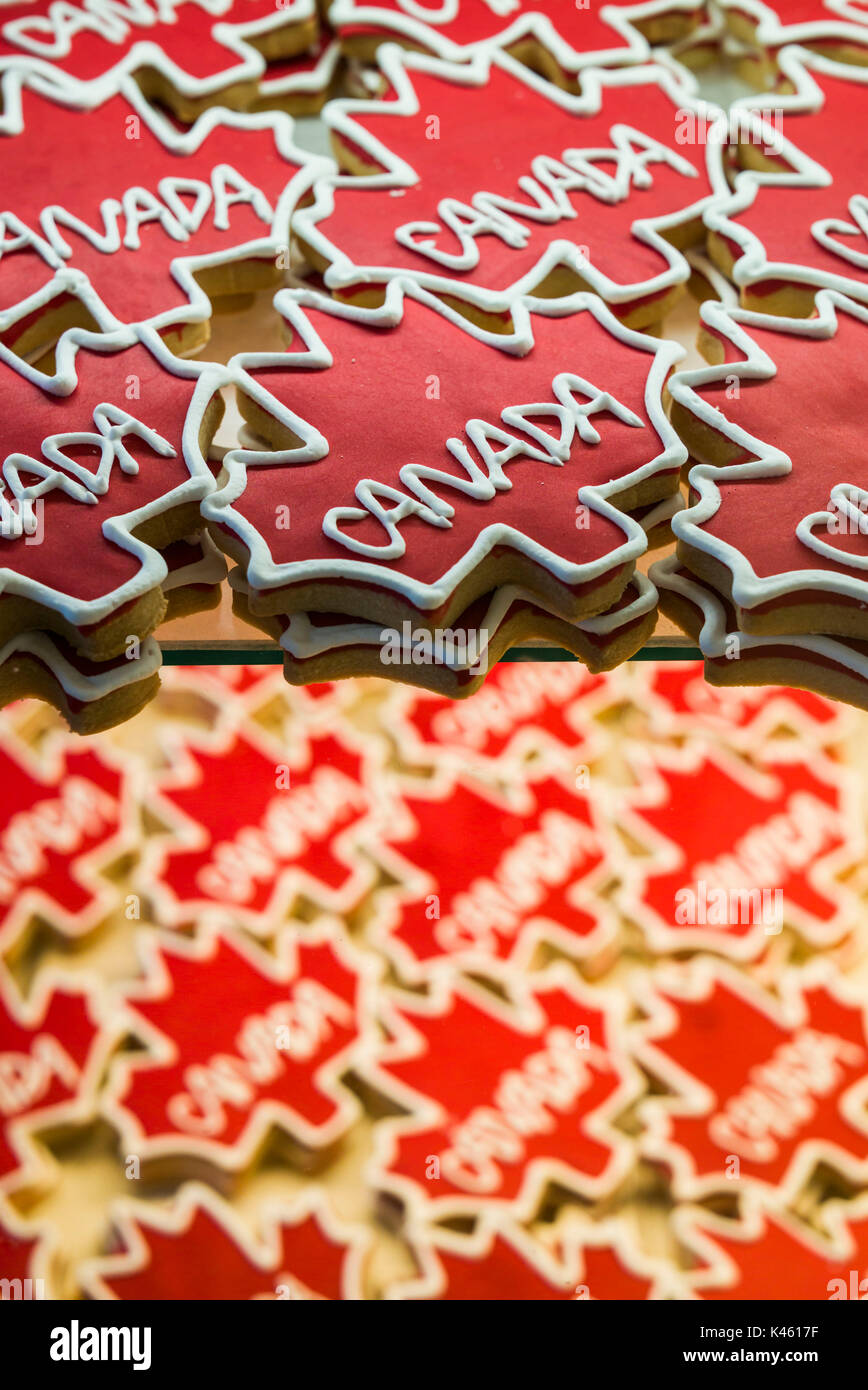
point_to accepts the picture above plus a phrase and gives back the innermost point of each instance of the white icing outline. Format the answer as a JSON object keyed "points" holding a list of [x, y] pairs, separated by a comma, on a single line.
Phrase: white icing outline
{"points": [[748, 588], [263, 573], [721, 217], [415, 28], [311, 80], [398, 65], [844, 22], [210, 568], [303, 168], [250, 65]]}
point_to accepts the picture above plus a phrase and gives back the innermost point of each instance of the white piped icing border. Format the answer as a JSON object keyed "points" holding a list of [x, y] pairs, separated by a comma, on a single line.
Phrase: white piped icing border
{"points": [[78, 685], [264, 573]]}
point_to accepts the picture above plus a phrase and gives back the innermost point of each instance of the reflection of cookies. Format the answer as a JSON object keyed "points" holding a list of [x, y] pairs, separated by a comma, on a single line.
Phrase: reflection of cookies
{"points": [[200, 1246], [748, 1110]]}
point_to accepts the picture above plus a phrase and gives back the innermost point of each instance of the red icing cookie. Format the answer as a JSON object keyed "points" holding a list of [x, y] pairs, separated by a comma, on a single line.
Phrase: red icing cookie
{"points": [[200, 1248], [535, 1106], [538, 862], [803, 223], [678, 701], [729, 883], [591, 187], [760, 1092], [520, 703], [122, 208], [769, 1255], [86, 49], [84, 471], [503, 1262], [784, 517], [61, 818], [391, 501], [52, 1053], [254, 823], [266, 1047], [575, 36]]}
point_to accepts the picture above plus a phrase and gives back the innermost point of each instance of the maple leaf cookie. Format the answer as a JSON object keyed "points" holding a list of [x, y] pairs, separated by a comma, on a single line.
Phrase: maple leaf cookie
{"points": [[200, 1248], [797, 219], [523, 705], [252, 824], [134, 220], [63, 817], [550, 1073], [555, 192], [92, 483], [267, 1048], [457, 488], [777, 521], [502, 1261], [557, 39], [759, 1092], [52, 1055], [539, 863], [730, 884], [768, 1254], [181, 57]]}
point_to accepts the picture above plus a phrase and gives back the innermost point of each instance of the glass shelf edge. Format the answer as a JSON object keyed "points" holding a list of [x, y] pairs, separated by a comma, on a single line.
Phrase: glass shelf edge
{"points": [[258, 654]]}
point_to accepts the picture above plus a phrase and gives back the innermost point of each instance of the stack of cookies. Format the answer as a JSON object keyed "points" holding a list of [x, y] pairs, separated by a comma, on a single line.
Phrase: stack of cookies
{"points": [[440, 417]]}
